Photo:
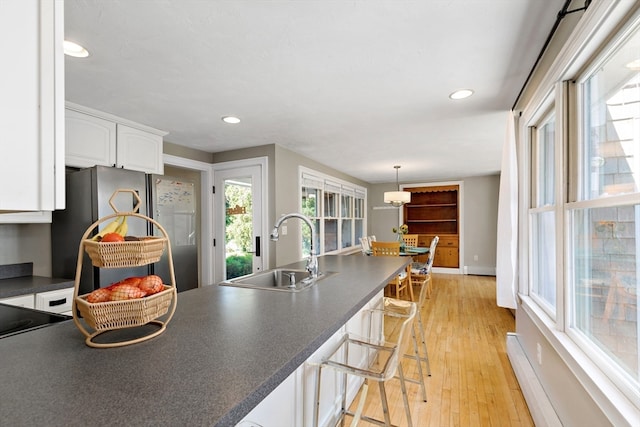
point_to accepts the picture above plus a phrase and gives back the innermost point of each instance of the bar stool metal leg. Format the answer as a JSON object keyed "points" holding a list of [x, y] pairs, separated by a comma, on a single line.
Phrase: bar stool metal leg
{"points": [[404, 395], [424, 345], [316, 406], [417, 358]]}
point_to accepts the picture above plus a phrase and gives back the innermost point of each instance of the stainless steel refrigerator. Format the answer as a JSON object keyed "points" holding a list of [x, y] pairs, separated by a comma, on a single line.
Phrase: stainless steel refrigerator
{"points": [[88, 192], [173, 204]]}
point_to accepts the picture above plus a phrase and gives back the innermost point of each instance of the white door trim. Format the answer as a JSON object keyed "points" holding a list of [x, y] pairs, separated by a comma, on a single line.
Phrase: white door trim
{"points": [[206, 216], [263, 162]]}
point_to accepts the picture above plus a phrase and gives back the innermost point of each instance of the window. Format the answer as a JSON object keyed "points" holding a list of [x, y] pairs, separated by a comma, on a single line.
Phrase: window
{"points": [[543, 215], [330, 230], [337, 210], [358, 216], [346, 217], [584, 211], [604, 218], [311, 202]]}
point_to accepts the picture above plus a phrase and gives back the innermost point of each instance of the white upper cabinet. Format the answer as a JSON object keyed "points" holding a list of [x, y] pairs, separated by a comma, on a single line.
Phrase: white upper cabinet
{"points": [[139, 150], [90, 140], [32, 105], [97, 138]]}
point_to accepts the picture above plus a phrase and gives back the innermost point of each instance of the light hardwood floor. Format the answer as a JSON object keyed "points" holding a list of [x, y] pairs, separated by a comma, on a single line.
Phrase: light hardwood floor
{"points": [[472, 383]]}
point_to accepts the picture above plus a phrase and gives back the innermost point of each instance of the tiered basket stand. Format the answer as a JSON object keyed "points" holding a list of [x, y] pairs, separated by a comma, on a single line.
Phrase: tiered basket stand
{"points": [[113, 315]]}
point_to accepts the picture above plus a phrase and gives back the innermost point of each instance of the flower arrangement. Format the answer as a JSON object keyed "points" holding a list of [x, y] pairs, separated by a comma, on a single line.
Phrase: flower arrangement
{"points": [[403, 229]]}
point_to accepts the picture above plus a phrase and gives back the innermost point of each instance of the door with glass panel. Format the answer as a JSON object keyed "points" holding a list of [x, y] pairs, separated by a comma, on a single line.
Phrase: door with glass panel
{"points": [[238, 245]]}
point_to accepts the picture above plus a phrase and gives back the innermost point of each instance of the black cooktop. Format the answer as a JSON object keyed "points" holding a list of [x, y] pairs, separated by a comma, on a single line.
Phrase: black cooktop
{"points": [[15, 320]]}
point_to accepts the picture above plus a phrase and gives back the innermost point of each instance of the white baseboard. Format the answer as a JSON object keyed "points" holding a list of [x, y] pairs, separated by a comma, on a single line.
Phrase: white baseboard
{"points": [[537, 400], [479, 271]]}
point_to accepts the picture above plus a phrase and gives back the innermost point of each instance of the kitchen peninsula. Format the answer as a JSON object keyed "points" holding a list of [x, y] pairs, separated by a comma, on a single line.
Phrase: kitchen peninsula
{"points": [[223, 352]]}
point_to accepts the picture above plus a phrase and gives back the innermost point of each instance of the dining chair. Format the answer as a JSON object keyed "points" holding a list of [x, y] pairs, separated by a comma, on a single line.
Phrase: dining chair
{"points": [[364, 244], [386, 366], [410, 239], [421, 272], [401, 282]]}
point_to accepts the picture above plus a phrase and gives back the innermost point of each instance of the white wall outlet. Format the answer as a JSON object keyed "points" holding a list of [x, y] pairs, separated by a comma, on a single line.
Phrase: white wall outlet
{"points": [[475, 257], [284, 230], [539, 353]]}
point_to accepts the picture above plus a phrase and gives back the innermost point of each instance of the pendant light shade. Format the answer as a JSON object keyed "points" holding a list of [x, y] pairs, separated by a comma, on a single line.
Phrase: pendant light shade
{"points": [[397, 198]]}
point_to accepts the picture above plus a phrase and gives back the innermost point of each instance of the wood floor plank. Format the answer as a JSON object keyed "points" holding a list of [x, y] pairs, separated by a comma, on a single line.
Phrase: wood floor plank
{"points": [[472, 383]]}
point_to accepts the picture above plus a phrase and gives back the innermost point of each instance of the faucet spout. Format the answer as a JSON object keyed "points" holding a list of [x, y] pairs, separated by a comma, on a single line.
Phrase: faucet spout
{"points": [[312, 262]]}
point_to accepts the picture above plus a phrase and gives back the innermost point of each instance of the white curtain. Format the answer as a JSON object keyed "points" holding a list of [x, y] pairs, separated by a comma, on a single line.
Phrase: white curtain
{"points": [[507, 251]]}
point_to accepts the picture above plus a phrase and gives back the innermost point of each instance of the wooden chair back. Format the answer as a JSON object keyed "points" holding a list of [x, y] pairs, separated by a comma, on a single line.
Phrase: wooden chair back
{"points": [[385, 248], [410, 239]]}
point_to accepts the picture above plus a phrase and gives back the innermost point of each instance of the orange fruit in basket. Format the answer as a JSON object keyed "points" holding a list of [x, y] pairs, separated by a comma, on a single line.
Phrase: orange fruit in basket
{"points": [[112, 237]]}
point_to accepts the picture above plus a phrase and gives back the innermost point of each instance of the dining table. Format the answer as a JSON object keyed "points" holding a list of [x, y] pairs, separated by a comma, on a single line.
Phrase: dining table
{"points": [[408, 251], [413, 251]]}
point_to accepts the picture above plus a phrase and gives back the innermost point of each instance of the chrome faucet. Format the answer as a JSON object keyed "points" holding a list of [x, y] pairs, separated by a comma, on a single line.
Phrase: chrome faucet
{"points": [[312, 262]]}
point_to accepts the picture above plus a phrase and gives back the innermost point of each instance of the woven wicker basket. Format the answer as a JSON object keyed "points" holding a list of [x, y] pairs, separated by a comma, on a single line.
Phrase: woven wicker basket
{"points": [[144, 251], [103, 316]]}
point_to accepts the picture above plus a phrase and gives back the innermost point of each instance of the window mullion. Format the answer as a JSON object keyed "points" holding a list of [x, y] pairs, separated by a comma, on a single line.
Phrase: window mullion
{"points": [[562, 134]]}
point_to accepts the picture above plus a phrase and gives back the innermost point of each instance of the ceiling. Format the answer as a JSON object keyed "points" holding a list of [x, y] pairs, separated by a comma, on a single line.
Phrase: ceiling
{"points": [[358, 85]]}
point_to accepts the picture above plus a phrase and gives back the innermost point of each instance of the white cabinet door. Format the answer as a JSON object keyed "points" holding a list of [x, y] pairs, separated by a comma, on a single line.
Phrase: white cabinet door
{"points": [[25, 301], [139, 150], [32, 105], [278, 409], [90, 140]]}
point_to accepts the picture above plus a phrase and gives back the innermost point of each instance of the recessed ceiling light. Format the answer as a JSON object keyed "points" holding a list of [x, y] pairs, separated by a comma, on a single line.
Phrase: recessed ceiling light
{"points": [[461, 94], [74, 49], [231, 119], [634, 65]]}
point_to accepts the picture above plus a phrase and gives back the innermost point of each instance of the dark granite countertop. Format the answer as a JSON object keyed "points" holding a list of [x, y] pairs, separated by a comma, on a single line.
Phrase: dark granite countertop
{"points": [[223, 352], [31, 285]]}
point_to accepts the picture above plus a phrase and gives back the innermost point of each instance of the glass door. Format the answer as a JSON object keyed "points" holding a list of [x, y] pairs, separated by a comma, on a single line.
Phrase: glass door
{"points": [[238, 243]]}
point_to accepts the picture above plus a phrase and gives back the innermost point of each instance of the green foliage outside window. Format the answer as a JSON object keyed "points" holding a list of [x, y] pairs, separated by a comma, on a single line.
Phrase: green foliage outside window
{"points": [[238, 230]]}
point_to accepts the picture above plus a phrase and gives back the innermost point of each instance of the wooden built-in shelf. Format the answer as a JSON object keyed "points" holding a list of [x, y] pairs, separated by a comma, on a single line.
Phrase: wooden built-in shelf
{"points": [[429, 220], [433, 211], [435, 205]]}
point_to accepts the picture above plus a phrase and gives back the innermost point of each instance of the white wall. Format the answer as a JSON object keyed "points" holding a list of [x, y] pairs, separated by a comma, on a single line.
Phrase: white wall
{"points": [[481, 224]]}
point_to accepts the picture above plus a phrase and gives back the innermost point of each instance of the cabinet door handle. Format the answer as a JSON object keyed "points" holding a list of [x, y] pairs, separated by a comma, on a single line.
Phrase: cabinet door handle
{"points": [[61, 301]]}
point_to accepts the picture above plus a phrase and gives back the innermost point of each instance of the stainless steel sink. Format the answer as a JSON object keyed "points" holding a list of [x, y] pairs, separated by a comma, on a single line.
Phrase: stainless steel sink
{"points": [[279, 279]]}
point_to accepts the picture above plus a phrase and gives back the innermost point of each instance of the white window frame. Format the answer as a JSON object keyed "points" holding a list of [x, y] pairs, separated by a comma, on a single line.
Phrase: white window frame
{"points": [[601, 23], [576, 201], [340, 187], [548, 108]]}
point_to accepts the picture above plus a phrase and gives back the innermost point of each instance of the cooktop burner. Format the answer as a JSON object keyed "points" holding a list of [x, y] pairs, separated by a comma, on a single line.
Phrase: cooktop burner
{"points": [[15, 320]]}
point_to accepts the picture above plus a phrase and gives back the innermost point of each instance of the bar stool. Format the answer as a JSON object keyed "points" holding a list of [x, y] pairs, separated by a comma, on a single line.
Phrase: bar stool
{"points": [[401, 308], [387, 366]]}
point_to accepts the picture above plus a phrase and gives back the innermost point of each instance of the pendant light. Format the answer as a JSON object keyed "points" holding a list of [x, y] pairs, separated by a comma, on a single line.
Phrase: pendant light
{"points": [[397, 198]]}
